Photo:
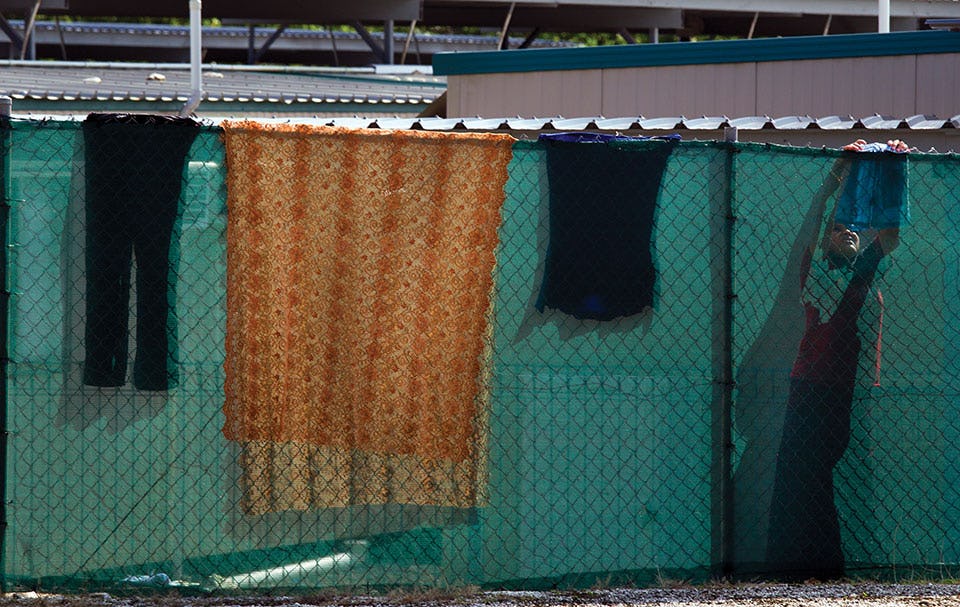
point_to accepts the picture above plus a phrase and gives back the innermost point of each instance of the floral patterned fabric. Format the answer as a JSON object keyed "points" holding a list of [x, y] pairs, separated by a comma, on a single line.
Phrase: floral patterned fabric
{"points": [[359, 273]]}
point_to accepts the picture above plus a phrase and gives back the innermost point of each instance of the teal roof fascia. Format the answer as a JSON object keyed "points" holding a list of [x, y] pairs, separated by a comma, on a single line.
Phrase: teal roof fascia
{"points": [[692, 53]]}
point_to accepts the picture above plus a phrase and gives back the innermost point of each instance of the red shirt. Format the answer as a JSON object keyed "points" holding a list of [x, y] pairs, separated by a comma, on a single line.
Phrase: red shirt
{"points": [[830, 347]]}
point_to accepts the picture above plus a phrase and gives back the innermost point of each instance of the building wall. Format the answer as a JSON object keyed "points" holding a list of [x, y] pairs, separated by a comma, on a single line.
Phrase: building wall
{"points": [[901, 85]]}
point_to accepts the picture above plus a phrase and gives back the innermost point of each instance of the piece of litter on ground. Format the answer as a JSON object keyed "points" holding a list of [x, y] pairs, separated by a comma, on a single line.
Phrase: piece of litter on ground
{"points": [[154, 579]]}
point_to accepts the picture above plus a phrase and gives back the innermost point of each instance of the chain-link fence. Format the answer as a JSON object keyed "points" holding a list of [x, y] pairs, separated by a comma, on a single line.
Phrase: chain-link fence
{"points": [[364, 366]]}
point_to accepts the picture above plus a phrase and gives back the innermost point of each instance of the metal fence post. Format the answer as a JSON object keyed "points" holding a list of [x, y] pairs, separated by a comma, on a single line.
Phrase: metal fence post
{"points": [[721, 264], [6, 108]]}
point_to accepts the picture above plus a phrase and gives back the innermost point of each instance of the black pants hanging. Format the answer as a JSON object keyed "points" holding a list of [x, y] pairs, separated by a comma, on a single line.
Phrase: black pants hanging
{"points": [[134, 170]]}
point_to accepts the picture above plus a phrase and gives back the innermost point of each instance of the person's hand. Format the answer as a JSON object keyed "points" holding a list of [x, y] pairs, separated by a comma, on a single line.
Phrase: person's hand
{"points": [[893, 145], [896, 145], [856, 146]]}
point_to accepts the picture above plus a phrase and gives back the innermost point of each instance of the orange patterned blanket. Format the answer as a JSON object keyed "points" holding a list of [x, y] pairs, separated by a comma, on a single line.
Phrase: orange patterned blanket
{"points": [[359, 275]]}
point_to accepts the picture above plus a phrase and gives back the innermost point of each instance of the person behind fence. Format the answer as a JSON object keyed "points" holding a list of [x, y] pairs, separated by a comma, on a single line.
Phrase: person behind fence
{"points": [[804, 537]]}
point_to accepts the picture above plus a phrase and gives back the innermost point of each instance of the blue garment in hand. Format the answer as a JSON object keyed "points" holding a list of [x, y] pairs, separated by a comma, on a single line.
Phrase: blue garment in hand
{"points": [[874, 193]]}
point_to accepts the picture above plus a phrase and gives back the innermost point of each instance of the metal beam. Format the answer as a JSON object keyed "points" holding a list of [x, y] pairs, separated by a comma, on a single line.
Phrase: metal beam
{"points": [[571, 19], [333, 47], [898, 8], [266, 45], [406, 45], [109, 35], [735, 24], [294, 11], [388, 42], [530, 38], [504, 41], [378, 51], [753, 25], [23, 5], [28, 50], [16, 40]]}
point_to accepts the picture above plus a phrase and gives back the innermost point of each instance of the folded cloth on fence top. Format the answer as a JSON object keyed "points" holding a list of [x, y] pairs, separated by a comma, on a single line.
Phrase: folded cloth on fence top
{"points": [[359, 274], [874, 192], [134, 167], [603, 197]]}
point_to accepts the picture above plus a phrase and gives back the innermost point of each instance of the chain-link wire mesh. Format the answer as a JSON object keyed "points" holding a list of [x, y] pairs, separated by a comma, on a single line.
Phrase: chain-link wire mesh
{"points": [[843, 407], [394, 380]]}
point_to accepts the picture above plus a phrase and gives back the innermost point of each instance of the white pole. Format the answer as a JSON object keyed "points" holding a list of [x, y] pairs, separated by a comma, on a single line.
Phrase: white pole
{"points": [[196, 81], [883, 17]]}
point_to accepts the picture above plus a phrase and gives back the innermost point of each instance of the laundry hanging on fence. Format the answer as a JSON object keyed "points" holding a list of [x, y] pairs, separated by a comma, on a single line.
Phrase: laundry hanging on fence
{"points": [[875, 190], [359, 272], [134, 167], [603, 196]]}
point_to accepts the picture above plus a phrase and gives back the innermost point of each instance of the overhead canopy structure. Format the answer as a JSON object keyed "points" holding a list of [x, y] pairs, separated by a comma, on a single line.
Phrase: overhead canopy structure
{"points": [[238, 44], [564, 15], [526, 19], [300, 11], [689, 17], [551, 16]]}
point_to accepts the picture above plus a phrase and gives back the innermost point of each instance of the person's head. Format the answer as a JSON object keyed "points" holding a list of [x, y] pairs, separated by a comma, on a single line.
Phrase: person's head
{"points": [[841, 244]]}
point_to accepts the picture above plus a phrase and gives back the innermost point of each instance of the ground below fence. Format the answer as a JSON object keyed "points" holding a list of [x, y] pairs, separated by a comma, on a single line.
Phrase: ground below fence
{"points": [[743, 595]]}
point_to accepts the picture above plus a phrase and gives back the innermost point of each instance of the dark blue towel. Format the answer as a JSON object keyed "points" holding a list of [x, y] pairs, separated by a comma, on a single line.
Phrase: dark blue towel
{"points": [[874, 194], [603, 196]]}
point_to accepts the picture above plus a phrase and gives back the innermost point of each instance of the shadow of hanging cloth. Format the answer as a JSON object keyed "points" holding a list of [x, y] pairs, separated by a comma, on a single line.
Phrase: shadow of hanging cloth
{"points": [[874, 193], [603, 197], [134, 172]]}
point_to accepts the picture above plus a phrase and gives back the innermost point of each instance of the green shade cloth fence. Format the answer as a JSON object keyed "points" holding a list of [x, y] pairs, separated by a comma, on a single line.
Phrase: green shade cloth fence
{"points": [[616, 448]]}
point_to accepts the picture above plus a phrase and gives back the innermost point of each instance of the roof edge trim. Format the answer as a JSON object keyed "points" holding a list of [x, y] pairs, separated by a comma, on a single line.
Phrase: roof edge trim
{"points": [[690, 53]]}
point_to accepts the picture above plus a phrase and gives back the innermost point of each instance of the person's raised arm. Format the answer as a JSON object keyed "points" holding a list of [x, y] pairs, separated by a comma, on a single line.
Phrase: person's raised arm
{"points": [[809, 234], [889, 239]]}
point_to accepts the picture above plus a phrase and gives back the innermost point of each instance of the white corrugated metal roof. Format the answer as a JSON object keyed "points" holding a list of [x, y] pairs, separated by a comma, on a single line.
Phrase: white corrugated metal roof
{"points": [[314, 94], [678, 123], [307, 89]]}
